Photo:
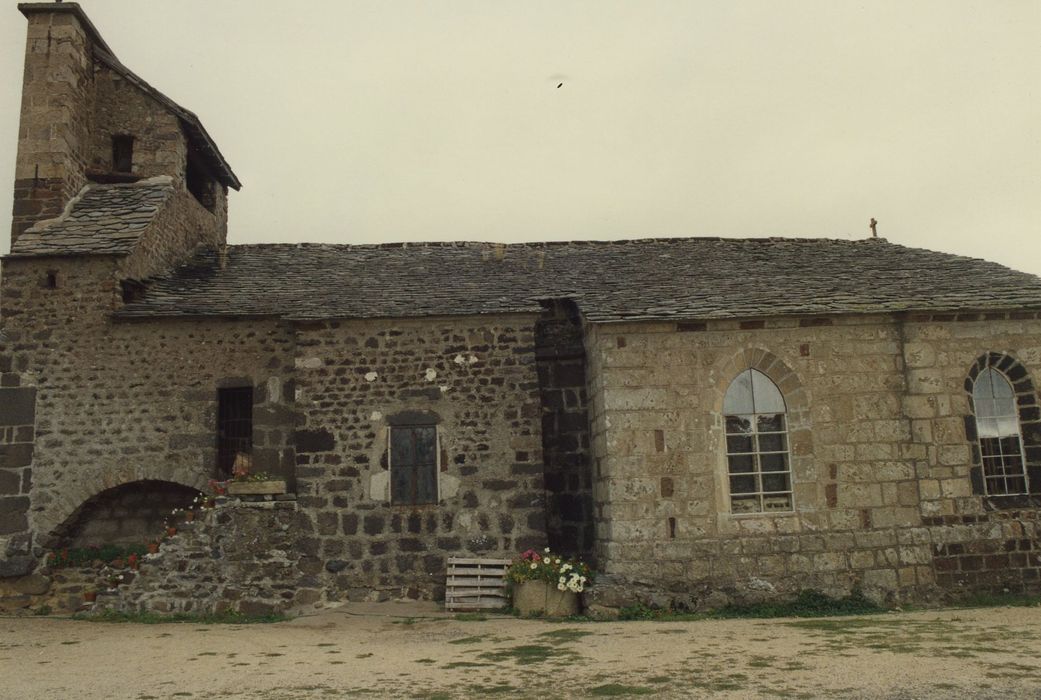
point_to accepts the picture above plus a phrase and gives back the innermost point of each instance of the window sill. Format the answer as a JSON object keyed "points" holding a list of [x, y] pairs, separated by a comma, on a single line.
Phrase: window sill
{"points": [[765, 514]]}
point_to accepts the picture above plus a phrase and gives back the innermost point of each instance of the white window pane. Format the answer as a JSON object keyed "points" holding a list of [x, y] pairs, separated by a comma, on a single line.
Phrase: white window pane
{"points": [[766, 396], [985, 408], [983, 388], [1006, 407], [1000, 384], [1007, 425], [987, 427], [739, 395]]}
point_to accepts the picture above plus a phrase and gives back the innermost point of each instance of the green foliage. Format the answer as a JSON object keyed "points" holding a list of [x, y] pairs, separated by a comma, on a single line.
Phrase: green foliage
{"points": [[471, 617], [70, 557], [646, 612], [807, 603], [42, 610], [564, 636], [226, 618], [994, 600]]}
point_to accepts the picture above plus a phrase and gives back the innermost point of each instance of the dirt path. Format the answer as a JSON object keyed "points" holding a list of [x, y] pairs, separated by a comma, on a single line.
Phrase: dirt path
{"points": [[388, 652]]}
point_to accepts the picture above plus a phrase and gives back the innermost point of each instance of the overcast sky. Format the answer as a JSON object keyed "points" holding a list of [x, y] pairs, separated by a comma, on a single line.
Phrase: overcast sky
{"points": [[386, 121]]}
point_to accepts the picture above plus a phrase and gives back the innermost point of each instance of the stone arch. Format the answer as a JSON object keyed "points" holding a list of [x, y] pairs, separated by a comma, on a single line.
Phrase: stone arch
{"points": [[1029, 410], [71, 496], [129, 513], [795, 395]]}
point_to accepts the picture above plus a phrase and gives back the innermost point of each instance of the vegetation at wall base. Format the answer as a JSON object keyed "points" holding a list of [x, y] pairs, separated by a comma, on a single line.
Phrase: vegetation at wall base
{"points": [[148, 618], [995, 600], [70, 557], [807, 603]]}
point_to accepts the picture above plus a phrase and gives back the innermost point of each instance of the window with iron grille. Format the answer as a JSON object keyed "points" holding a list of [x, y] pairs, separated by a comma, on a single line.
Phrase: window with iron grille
{"points": [[234, 426], [1001, 442], [758, 466], [413, 464]]}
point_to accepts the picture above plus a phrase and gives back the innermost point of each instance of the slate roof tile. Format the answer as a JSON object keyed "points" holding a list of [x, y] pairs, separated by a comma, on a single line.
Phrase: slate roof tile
{"points": [[101, 219], [654, 279]]}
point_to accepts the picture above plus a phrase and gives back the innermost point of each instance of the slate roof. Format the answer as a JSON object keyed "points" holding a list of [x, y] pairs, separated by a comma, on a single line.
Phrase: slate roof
{"points": [[672, 278], [101, 219]]}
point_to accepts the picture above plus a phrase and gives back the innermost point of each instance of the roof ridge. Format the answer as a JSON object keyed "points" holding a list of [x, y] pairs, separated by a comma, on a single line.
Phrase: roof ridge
{"points": [[554, 243]]}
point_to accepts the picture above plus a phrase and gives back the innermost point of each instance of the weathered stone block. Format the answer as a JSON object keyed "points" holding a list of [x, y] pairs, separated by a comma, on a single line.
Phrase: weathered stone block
{"points": [[17, 406], [310, 441]]}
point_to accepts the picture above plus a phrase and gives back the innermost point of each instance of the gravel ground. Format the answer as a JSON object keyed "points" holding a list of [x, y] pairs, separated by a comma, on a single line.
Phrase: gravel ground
{"points": [[408, 651]]}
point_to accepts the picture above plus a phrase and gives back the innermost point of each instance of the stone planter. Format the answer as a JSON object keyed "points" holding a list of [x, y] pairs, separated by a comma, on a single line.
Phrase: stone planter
{"points": [[256, 488], [541, 598]]}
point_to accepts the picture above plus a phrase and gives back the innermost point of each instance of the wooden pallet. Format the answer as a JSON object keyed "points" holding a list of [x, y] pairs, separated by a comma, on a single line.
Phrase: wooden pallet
{"points": [[477, 584]]}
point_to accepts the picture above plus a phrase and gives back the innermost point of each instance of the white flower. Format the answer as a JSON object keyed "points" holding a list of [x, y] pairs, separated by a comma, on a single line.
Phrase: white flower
{"points": [[556, 561], [546, 550], [563, 580], [534, 565], [561, 587], [565, 567]]}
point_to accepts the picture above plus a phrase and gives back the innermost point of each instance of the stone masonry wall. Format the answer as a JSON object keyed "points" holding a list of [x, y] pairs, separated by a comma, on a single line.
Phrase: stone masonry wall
{"points": [[243, 557], [978, 542], [565, 430], [122, 402], [160, 147], [479, 377], [57, 115], [131, 514], [174, 234], [17, 437], [656, 394]]}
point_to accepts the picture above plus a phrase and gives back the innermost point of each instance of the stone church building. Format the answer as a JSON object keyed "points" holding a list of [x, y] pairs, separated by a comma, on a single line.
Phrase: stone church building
{"points": [[705, 419]]}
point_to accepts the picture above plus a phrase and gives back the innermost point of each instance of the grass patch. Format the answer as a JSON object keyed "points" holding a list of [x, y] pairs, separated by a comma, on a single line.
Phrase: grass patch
{"points": [[615, 689], [476, 639], [564, 636], [526, 654], [464, 664], [496, 689], [147, 618], [471, 617]]}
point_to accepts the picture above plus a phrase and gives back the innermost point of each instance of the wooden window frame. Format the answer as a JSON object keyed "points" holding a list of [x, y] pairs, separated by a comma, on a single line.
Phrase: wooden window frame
{"points": [[434, 466]]}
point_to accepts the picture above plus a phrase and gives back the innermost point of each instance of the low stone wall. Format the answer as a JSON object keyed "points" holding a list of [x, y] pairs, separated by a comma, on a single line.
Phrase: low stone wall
{"points": [[239, 556]]}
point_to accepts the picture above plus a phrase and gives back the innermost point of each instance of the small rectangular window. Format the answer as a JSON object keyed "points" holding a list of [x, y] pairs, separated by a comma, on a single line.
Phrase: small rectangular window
{"points": [[234, 426], [122, 153], [199, 182], [413, 464]]}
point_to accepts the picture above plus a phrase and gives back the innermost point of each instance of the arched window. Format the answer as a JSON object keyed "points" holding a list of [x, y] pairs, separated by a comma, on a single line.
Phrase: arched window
{"points": [[757, 445], [1001, 443]]}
